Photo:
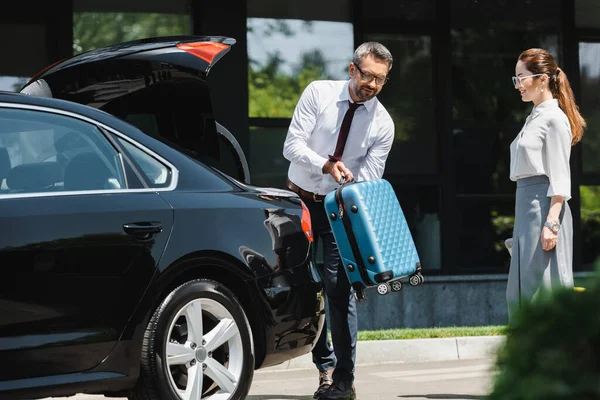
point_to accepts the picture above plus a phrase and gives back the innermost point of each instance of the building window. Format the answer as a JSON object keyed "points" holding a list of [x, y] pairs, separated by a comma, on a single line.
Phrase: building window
{"points": [[408, 97], [412, 166], [12, 83], [487, 114], [24, 45], [482, 225], [284, 56], [589, 53], [92, 30], [587, 14], [590, 224], [405, 10], [268, 167]]}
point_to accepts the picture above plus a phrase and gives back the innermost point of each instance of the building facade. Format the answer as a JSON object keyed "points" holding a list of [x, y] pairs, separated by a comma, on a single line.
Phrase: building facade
{"points": [[450, 95]]}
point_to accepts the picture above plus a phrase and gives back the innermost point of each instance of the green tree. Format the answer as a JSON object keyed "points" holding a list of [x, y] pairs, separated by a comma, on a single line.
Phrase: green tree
{"points": [[552, 348], [93, 30], [274, 94]]}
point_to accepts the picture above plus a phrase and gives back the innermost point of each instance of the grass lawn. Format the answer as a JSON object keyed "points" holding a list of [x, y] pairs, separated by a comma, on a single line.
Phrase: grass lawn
{"points": [[425, 333]]}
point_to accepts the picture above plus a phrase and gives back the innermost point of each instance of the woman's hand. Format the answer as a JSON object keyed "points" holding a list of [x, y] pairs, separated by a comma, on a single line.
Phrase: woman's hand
{"points": [[549, 239]]}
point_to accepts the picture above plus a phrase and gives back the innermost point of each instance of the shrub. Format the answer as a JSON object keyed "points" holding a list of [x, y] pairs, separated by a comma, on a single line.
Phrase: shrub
{"points": [[552, 349]]}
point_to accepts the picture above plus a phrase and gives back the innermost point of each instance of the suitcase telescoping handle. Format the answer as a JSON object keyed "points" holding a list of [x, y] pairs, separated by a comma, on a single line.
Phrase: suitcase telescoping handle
{"points": [[343, 180], [338, 194]]}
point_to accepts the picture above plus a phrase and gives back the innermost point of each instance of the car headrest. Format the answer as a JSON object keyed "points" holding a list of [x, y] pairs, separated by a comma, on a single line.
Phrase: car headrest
{"points": [[38, 88], [4, 163], [86, 171], [34, 176], [68, 141]]}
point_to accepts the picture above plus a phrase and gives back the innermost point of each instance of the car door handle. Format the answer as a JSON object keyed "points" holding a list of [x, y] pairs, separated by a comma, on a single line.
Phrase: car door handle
{"points": [[144, 229]]}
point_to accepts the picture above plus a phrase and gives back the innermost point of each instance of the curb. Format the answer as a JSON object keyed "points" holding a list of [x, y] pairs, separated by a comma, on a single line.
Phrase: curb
{"points": [[410, 350]]}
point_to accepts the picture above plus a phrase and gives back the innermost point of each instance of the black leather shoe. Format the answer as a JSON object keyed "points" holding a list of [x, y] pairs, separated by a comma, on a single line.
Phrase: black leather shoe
{"points": [[325, 382], [341, 390]]}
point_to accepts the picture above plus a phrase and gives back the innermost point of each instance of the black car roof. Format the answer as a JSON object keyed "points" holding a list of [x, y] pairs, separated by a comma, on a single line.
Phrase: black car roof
{"points": [[65, 105]]}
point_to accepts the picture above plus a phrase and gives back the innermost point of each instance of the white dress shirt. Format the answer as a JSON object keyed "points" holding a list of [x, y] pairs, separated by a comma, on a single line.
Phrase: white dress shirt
{"points": [[543, 147], [314, 130]]}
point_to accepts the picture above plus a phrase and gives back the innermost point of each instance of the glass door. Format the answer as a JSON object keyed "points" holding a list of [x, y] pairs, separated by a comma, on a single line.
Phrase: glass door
{"points": [[589, 69]]}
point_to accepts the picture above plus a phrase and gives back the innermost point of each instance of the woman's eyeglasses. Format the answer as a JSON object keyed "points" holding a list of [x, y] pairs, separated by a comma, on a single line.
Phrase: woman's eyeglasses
{"points": [[518, 80]]}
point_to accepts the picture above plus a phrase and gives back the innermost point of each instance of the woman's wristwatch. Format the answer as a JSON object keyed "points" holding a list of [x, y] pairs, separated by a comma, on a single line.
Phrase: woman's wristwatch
{"points": [[554, 226]]}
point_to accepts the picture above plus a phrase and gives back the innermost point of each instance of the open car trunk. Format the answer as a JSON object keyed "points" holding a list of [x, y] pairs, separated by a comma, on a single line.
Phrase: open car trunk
{"points": [[157, 84]]}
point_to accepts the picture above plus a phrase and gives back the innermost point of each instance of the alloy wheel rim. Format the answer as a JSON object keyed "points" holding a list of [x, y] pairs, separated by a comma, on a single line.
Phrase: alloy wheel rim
{"points": [[204, 351]]}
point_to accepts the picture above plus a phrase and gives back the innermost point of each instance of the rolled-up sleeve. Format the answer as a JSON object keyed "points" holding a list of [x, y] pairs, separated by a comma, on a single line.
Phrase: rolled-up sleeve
{"points": [[373, 164], [557, 148], [295, 148]]}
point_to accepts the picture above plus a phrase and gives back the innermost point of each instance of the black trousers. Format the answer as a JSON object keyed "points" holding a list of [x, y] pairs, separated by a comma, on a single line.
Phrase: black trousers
{"points": [[341, 303]]}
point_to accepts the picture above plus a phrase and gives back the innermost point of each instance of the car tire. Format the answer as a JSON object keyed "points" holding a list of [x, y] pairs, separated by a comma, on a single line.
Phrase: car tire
{"points": [[222, 362]]}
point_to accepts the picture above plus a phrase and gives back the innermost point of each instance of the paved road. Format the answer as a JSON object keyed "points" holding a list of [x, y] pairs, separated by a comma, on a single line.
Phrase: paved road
{"points": [[448, 380]]}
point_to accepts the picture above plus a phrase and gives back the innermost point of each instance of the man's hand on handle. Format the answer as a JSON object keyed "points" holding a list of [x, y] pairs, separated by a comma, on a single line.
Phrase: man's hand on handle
{"points": [[337, 170]]}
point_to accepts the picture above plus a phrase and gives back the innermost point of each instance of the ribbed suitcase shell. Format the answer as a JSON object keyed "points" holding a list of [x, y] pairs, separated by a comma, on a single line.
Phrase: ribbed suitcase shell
{"points": [[386, 247]]}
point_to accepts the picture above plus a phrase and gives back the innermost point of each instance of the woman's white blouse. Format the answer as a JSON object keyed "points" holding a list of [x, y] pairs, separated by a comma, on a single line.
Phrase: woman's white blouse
{"points": [[543, 147]]}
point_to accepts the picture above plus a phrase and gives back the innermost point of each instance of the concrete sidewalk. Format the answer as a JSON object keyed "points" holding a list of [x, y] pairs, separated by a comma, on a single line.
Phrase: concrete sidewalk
{"points": [[412, 350]]}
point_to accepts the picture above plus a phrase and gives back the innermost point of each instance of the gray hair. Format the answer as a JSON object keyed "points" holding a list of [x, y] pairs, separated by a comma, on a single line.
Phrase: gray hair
{"points": [[379, 51]]}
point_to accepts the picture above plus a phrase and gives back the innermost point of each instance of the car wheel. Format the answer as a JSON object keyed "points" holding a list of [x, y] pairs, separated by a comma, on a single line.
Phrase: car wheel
{"points": [[198, 345]]}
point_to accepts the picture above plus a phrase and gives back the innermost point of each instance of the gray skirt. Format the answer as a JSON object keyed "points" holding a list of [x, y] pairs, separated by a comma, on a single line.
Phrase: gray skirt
{"points": [[532, 269]]}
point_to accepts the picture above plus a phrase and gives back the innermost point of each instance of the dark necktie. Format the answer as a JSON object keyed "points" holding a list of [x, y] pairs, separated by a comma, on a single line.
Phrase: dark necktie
{"points": [[344, 130]]}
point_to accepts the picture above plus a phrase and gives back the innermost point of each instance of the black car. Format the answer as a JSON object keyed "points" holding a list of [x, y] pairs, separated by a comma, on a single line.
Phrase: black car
{"points": [[131, 263]]}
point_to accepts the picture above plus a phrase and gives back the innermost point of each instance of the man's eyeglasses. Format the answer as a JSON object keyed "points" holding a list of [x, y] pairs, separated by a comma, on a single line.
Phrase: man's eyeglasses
{"points": [[366, 77], [518, 80]]}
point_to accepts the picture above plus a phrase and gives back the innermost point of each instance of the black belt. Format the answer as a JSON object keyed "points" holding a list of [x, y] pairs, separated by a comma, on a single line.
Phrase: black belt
{"points": [[304, 193]]}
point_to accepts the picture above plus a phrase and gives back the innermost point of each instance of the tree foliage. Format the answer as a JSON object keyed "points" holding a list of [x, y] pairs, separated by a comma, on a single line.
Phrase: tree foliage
{"points": [[92, 30], [274, 94], [552, 349]]}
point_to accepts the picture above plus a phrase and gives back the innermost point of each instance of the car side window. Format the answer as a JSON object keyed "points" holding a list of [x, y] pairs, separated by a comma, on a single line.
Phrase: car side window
{"points": [[157, 174], [46, 152], [180, 114]]}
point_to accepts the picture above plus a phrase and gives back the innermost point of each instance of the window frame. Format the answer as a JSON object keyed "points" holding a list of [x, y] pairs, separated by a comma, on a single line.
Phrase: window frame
{"points": [[105, 131], [135, 165]]}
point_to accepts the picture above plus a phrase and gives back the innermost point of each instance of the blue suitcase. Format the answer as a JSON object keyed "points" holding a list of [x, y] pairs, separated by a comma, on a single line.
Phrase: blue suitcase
{"points": [[373, 237]]}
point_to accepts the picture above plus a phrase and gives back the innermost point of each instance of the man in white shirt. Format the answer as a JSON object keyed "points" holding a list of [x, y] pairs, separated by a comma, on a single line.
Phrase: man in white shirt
{"points": [[349, 111]]}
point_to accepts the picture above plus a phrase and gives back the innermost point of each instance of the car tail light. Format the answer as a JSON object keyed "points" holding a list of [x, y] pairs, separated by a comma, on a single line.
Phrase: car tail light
{"points": [[306, 224], [204, 50]]}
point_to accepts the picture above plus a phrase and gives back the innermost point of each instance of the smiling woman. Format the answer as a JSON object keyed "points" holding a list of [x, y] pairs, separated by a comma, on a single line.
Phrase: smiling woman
{"points": [[542, 252]]}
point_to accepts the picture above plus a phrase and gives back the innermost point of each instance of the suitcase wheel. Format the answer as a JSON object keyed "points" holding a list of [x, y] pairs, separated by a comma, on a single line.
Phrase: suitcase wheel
{"points": [[396, 286], [383, 288], [416, 279]]}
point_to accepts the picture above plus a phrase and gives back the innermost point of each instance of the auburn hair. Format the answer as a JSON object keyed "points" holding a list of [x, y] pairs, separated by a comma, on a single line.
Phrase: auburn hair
{"points": [[540, 61]]}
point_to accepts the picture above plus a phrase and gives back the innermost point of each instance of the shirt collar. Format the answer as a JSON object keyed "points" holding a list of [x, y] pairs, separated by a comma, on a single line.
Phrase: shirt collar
{"points": [[345, 96], [546, 105]]}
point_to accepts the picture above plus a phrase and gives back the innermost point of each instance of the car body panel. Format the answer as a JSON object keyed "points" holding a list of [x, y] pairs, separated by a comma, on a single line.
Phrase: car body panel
{"points": [[154, 94], [72, 277], [76, 337]]}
